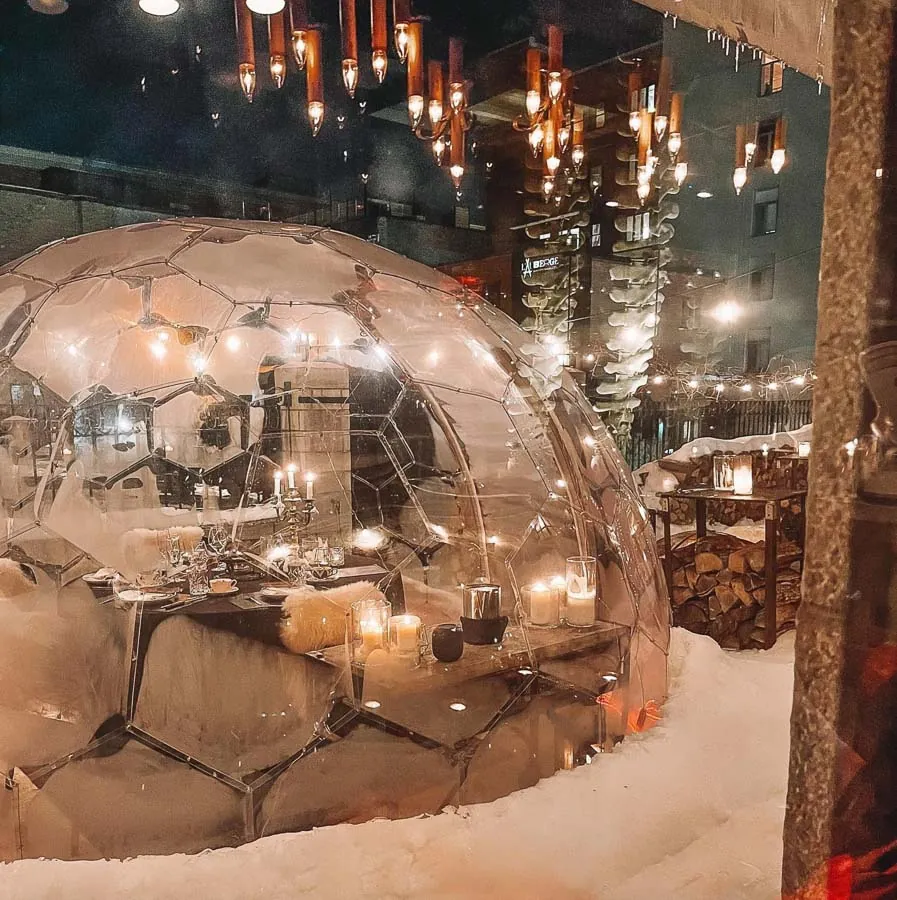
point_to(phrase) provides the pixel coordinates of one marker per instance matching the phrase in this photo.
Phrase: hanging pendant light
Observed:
(438, 150)
(457, 95)
(458, 149)
(675, 143)
(246, 47)
(153, 7)
(740, 176)
(555, 62)
(779, 155)
(314, 80)
(401, 19)
(415, 54)
(681, 173)
(379, 58)
(578, 153)
(662, 104)
(349, 33)
(277, 49)
(266, 7)
(436, 84)
(533, 82)
(299, 30)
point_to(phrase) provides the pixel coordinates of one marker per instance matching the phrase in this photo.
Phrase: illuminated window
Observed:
(638, 227)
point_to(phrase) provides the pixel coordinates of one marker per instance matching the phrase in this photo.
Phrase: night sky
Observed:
(107, 81)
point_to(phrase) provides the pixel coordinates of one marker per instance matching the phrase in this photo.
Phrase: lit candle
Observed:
(743, 476)
(559, 590)
(371, 634)
(404, 634)
(291, 477)
(803, 449)
(540, 604)
(310, 485)
(581, 608)
(278, 479)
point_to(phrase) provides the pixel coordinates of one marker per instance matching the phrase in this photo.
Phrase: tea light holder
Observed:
(368, 627)
(582, 591)
(405, 638)
(743, 474)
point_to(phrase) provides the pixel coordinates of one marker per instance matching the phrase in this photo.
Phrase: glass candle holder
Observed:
(582, 591)
(743, 474)
(337, 557)
(405, 638)
(724, 471)
(368, 626)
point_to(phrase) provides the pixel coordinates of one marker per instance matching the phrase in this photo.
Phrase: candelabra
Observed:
(295, 508)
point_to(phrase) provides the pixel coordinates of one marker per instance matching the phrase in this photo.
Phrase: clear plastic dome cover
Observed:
(162, 385)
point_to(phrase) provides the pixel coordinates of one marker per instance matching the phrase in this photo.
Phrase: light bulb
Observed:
(438, 150)
(578, 155)
(247, 80)
(350, 75)
(434, 110)
(644, 191)
(553, 163)
(278, 65)
(727, 312)
(401, 40)
(299, 48)
(379, 63)
(750, 148)
(777, 162)
(536, 139)
(675, 143)
(456, 97)
(547, 186)
(533, 103)
(159, 7)
(739, 179)
(681, 173)
(563, 137)
(415, 109)
(554, 86)
(660, 126)
(652, 164)
(457, 173)
(635, 121)
(266, 7)
(316, 116)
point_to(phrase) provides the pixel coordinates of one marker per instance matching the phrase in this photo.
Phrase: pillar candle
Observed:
(540, 604)
(405, 634)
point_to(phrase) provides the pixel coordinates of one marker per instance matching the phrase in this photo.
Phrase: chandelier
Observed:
(550, 122)
(651, 121)
(448, 118)
(746, 146)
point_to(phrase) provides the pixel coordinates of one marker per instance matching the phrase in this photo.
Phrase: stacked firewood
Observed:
(719, 588)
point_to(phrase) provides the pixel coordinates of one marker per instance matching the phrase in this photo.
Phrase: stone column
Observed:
(842, 793)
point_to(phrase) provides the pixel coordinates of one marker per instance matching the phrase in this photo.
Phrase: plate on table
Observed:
(135, 596)
(273, 592)
(95, 579)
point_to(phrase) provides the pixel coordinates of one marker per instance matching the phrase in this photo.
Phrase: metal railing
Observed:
(661, 428)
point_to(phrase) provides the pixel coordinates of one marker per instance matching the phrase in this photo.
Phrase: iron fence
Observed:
(661, 428)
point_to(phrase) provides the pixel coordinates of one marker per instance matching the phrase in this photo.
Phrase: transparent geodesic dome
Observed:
(155, 381)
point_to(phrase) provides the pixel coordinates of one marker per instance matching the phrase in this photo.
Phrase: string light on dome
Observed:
(158, 348)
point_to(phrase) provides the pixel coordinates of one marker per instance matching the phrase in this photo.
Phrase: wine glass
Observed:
(217, 538)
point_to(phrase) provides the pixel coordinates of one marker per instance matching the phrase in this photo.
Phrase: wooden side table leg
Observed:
(667, 548)
(771, 572)
(701, 518)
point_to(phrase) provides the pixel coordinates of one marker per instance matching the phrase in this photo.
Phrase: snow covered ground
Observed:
(692, 810)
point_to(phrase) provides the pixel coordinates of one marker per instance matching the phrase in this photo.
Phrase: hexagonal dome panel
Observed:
(217, 437)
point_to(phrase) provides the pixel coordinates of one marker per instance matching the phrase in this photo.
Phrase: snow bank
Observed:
(692, 810)
(656, 480)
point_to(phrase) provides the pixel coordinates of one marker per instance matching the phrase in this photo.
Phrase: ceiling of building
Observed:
(799, 32)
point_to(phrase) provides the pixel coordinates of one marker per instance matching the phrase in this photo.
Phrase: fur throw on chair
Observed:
(15, 579)
(314, 619)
